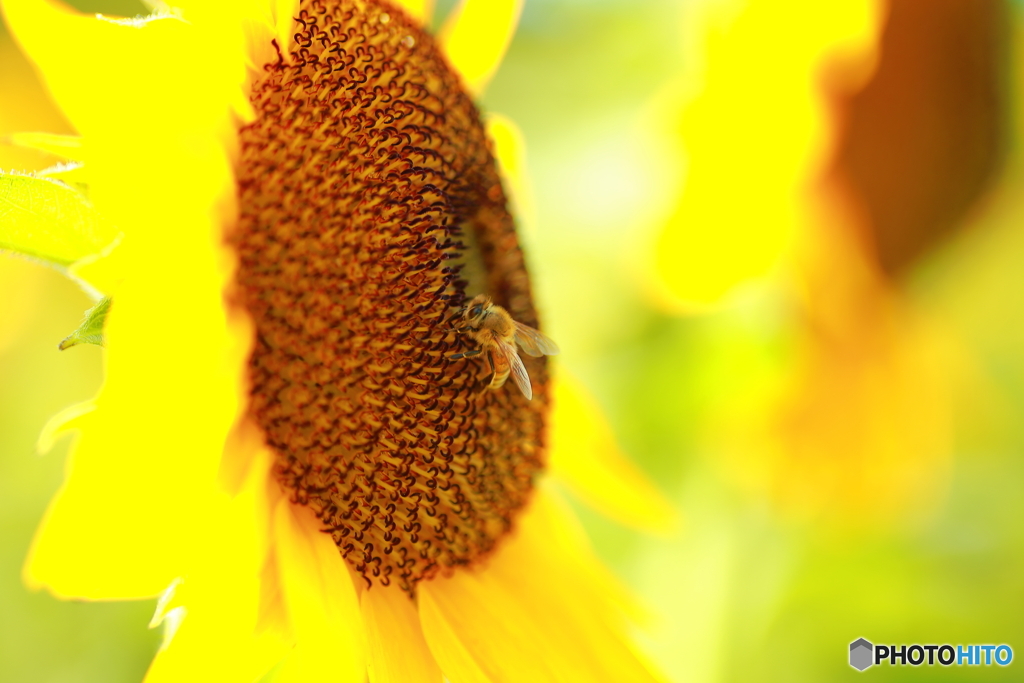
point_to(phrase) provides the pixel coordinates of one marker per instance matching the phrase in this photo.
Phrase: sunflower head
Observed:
(370, 208)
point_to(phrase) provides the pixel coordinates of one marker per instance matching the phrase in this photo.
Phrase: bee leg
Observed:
(455, 316)
(482, 385)
(467, 354)
(472, 354)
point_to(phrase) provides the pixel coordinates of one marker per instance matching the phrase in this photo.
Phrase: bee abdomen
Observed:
(499, 377)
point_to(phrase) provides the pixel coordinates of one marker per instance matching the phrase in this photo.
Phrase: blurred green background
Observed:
(889, 509)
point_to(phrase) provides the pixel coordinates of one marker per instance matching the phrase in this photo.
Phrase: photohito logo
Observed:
(864, 654)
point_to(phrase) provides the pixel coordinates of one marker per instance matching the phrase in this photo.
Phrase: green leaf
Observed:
(48, 220)
(91, 329)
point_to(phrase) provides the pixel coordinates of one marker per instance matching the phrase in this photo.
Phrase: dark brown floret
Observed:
(370, 208)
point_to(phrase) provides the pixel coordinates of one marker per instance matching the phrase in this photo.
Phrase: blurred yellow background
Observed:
(779, 242)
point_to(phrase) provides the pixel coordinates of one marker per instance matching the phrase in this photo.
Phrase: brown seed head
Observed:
(370, 208)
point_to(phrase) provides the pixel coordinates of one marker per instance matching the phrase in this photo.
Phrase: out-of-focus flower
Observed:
(866, 421)
(871, 135)
(747, 118)
(923, 139)
(303, 205)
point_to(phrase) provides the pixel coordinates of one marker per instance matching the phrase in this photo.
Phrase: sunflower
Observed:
(850, 399)
(282, 449)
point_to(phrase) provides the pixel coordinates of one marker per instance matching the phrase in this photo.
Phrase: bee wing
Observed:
(522, 378)
(534, 342)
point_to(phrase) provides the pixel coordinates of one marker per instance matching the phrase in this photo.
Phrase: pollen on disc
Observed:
(369, 200)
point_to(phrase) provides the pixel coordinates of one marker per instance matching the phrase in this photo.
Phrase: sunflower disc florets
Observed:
(369, 205)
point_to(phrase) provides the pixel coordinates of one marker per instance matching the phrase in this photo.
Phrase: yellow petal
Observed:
(285, 12)
(320, 599)
(584, 456)
(88, 547)
(83, 60)
(536, 612)
(204, 649)
(476, 36)
(184, 76)
(245, 445)
(510, 153)
(753, 131)
(221, 636)
(34, 110)
(418, 9)
(102, 272)
(67, 147)
(479, 635)
(143, 473)
(124, 521)
(62, 423)
(397, 652)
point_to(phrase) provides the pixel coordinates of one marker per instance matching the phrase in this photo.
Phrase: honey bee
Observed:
(491, 326)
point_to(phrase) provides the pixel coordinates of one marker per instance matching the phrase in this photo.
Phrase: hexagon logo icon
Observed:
(861, 654)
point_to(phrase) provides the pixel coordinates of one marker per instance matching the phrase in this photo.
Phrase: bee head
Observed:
(477, 308)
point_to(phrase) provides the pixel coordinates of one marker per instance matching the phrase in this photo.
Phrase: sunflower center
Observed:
(366, 188)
